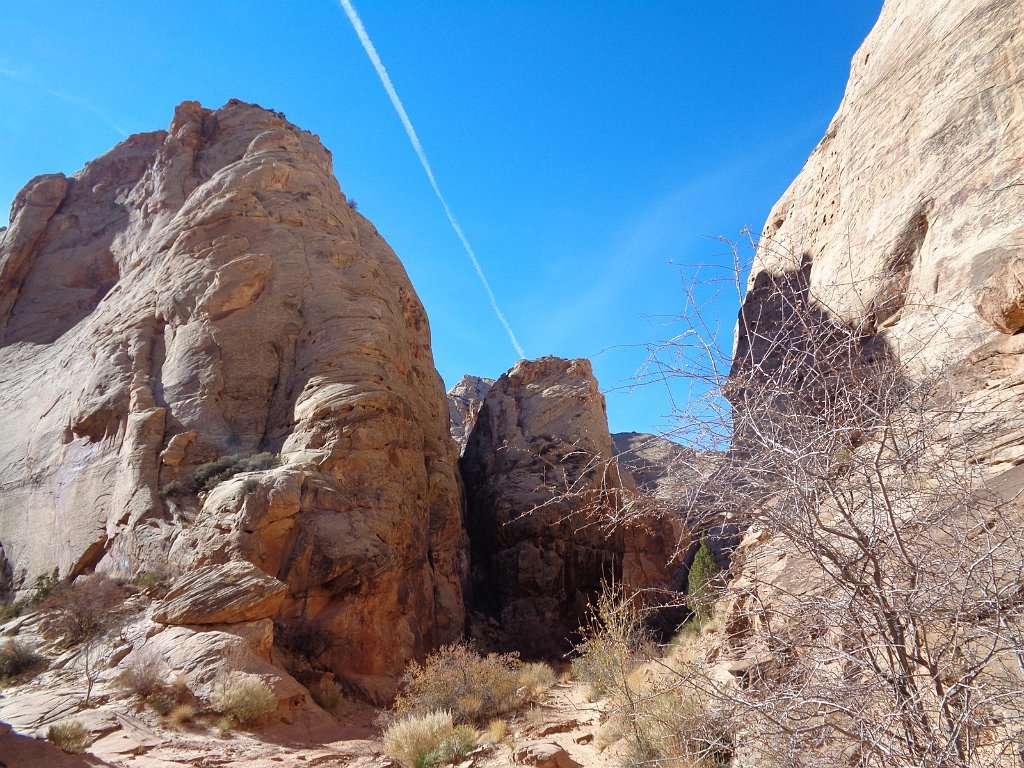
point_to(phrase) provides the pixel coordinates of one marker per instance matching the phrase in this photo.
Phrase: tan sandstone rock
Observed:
(207, 292)
(231, 593)
(908, 218)
(464, 402)
(541, 486)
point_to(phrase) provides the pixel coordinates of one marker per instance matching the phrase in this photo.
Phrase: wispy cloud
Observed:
(26, 79)
(385, 80)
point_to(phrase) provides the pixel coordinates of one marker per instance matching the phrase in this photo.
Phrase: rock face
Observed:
(656, 464)
(907, 218)
(905, 232)
(206, 292)
(540, 487)
(464, 402)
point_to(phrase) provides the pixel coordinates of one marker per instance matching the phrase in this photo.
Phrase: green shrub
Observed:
(428, 740)
(68, 736)
(174, 489)
(17, 660)
(213, 472)
(44, 587)
(457, 679)
(12, 609)
(244, 699)
(704, 582)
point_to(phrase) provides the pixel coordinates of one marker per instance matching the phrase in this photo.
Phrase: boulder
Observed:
(221, 594)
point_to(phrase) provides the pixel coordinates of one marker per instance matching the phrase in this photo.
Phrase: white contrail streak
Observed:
(77, 101)
(385, 80)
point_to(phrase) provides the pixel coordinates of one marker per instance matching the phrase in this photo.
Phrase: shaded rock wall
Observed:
(541, 488)
(206, 291)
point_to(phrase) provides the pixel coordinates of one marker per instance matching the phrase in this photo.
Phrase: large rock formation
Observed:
(541, 490)
(907, 221)
(206, 292)
(889, 269)
(465, 400)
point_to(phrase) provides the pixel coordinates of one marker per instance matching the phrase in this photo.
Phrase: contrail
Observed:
(77, 101)
(385, 80)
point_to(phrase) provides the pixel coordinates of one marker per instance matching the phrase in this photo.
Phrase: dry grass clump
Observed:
(18, 661)
(495, 732)
(428, 740)
(244, 699)
(458, 680)
(327, 693)
(537, 677)
(68, 736)
(183, 714)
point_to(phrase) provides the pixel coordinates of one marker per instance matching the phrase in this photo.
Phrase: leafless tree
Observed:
(892, 636)
(876, 607)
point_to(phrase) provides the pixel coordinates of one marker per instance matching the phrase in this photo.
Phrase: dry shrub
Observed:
(428, 740)
(17, 660)
(327, 693)
(144, 676)
(161, 702)
(244, 699)
(183, 714)
(457, 679)
(537, 677)
(614, 644)
(81, 612)
(668, 726)
(303, 638)
(68, 736)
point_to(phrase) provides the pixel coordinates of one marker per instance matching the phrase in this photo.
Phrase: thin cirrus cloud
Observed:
(417, 146)
(76, 101)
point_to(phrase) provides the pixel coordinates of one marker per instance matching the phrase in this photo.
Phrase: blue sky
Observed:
(590, 151)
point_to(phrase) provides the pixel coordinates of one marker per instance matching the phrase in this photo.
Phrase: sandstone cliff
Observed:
(191, 299)
(880, 324)
(541, 490)
(464, 402)
(906, 221)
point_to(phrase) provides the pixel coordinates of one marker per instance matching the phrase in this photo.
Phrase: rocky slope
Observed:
(206, 294)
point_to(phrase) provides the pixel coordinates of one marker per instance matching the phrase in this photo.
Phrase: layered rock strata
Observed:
(198, 296)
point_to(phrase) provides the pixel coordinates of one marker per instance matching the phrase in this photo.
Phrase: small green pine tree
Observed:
(703, 582)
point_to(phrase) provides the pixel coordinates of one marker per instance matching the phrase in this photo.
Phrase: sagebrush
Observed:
(473, 687)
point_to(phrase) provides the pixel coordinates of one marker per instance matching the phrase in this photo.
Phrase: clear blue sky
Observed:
(590, 150)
